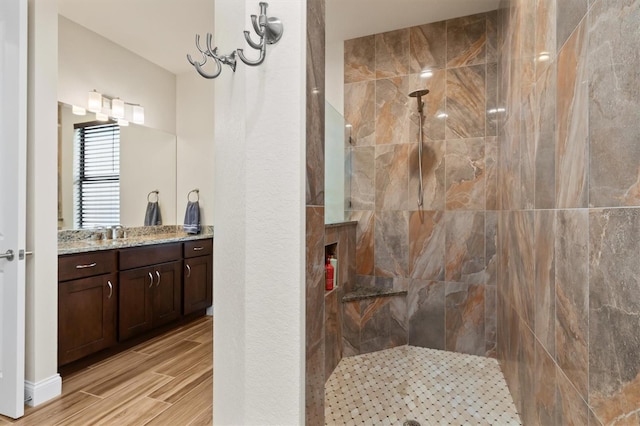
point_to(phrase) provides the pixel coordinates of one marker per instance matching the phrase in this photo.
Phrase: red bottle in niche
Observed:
(328, 275)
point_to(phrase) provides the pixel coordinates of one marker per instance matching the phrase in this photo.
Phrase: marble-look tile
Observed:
(614, 99)
(569, 13)
(545, 139)
(466, 97)
(464, 318)
(392, 175)
(490, 318)
(365, 247)
(464, 247)
(466, 40)
(374, 318)
(360, 59)
(571, 409)
(491, 172)
(527, 55)
(526, 375)
(433, 178)
(425, 302)
(544, 387)
(428, 47)
(362, 186)
(572, 147)
(391, 243)
(426, 245)
(314, 274)
(493, 115)
(545, 35)
(434, 105)
(393, 111)
(521, 264)
(528, 152)
(398, 321)
(491, 246)
(614, 314)
(492, 36)
(392, 53)
(314, 384)
(545, 290)
(360, 111)
(593, 419)
(350, 328)
(333, 332)
(572, 296)
(465, 174)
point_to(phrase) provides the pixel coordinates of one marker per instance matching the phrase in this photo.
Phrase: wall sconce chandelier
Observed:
(268, 29)
(105, 107)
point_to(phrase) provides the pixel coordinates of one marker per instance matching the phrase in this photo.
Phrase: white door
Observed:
(13, 141)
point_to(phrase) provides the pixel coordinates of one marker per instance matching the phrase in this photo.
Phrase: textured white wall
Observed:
(88, 61)
(42, 267)
(195, 128)
(259, 223)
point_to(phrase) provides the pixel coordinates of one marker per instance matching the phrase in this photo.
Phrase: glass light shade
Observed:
(78, 110)
(94, 102)
(138, 114)
(122, 122)
(117, 108)
(101, 117)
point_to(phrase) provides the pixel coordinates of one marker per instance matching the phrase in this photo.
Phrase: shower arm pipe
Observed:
(269, 30)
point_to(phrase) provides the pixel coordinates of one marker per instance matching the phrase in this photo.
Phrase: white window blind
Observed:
(97, 174)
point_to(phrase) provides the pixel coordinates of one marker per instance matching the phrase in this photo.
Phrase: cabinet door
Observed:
(198, 283)
(86, 316)
(135, 303)
(167, 292)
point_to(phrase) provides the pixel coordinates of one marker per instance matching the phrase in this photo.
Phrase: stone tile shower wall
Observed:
(443, 254)
(569, 222)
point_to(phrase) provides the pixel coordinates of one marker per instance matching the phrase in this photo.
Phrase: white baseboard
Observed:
(43, 391)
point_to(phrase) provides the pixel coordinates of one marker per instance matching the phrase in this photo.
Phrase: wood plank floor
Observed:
(167, 380)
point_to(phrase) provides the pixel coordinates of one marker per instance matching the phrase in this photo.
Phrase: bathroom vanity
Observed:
(110, 291)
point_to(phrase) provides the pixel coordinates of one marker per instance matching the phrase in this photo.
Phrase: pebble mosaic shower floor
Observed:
(430, 386)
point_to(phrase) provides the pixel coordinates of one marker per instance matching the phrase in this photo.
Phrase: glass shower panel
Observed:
(337, 172)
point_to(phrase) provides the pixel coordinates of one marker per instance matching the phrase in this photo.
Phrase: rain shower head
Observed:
(418, 94)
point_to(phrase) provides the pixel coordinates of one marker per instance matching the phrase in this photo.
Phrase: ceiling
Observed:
(163, 31)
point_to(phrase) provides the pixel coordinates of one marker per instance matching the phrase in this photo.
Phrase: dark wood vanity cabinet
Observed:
(87, 304)
(150, 288)
(198, 275)
(106, 297)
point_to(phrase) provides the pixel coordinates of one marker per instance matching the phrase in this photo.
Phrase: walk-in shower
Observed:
(418, 94)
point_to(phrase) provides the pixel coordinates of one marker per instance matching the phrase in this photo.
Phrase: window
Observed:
(97, 174)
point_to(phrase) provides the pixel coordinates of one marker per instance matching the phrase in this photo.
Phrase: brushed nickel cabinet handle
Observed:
(158, 275)
(198, 248)
(110, 289)
(188, 270)
(90, 265)
(150, 280)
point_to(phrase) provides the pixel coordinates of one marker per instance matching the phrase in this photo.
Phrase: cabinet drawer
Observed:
(137, 257)
(83, 265)
(198, 248)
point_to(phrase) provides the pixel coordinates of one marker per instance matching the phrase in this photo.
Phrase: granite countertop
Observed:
(81, 241)
(371, 292)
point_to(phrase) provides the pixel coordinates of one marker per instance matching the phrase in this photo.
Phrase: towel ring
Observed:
(156, 192)
(197, 191)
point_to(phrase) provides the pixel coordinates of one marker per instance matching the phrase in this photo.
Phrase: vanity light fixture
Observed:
(78, 110)
(100, 116)
(117, 108)
(106, 106)
(94, 103)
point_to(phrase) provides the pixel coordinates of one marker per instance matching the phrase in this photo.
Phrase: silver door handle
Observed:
(188, 271)
(158, 275)
(198, 248)
(110, 289)
(7, 255)
(150, 279)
